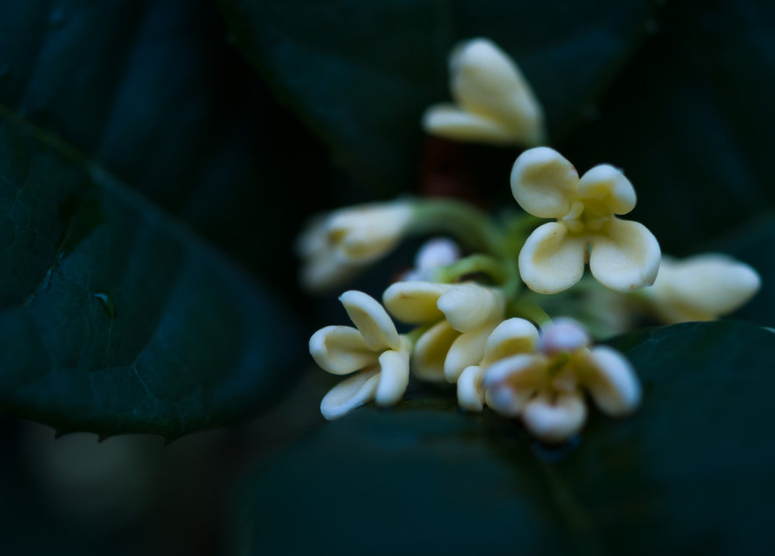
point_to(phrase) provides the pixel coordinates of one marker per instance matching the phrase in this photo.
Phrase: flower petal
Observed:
(544, 183)
(710, 284)
(555, 418)
(608, 185)
(564, 335)
(552, 259)
(327, 270)
(371, 319)
(486, 82)
(340, 350)
(510, 337)
(625, 256)
(510, 382)
(414, 302)
(393, 377)
(466, 350)
(611, 381)
(450, 122)
(352, 392)
(431, 350)
(367, 232)
(470, 306)
(470, 392)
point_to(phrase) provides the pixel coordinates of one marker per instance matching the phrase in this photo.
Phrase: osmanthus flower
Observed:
(545, 388)
(458, 317)
(700, 288)
(373, 350)
(623, 255)
(337, 245)
(494, 103)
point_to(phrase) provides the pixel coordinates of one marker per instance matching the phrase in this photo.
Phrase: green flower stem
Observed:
(469, 225)
(530, 311)
(471, 265)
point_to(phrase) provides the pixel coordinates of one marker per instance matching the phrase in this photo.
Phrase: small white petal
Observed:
(486, 82)
(510, 382)
(611, 381)
(552, 259)
(431, 350)
(564, 335)
(393, 377)
(470, 306)
(450, 122)
(555, 418)
(414, 302)
(608, 185)
(352, 392)
(436, 252)
(470, 392)
(371, 319)
(625, 257)
(511, 337)
(367, 232)
(544, 183)
(466, 350)
(340, 350)
(708, 285)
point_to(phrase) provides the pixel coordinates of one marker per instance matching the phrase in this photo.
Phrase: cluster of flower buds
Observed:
(476, 322)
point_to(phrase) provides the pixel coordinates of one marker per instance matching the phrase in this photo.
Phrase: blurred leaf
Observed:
(118, 123)
(690, 473)
(362, 73)
(690, 121)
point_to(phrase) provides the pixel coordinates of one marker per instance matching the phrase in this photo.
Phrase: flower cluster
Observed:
(477, 307)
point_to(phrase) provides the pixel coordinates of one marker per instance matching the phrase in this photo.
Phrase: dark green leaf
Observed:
(118, 121)
(690, 473)
(690, 121)
(361, 73)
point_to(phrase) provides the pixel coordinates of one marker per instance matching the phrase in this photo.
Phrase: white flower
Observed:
(700, 288)
(509, 338)
(374, 349)
(545, 389)
(336, 246)
(624, 255)
(495, 104)
(433, 254)
(460, 317)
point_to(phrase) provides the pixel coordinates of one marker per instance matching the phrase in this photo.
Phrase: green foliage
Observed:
(118, 149)
(690, 472)
(361, 73)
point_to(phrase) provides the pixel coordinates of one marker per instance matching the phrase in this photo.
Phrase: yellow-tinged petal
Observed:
(352, 392)
(609, 186)
(611, 381)
(448, 121)
(544, 183)
(470, 391)
(394, 376)
(487, 82)
(371, 319)
(340, 350)
(466, 350)
(367, 232)
(414, 302)
(470, 306)
(511, 337)
(555, 418)
(705, 286)
(552, 259)
(510, 382)
(430, 351)
(625, 256)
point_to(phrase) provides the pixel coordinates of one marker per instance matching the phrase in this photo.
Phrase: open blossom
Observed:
(459, 318)
(545, 388)
(494, 102)
(373, 348)
(701, 288)
(336, 246)
(624, 255)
